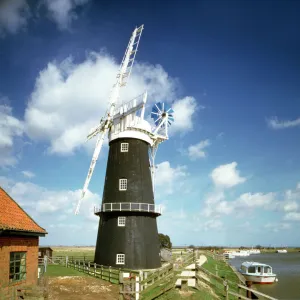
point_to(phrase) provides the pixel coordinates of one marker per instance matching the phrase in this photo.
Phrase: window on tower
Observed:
(124, 147)
(121, 221)
(122, 184)
(120, 259)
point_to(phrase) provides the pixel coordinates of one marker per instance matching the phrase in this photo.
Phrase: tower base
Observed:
(137, 240)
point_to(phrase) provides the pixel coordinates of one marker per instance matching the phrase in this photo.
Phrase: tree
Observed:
(164, 241)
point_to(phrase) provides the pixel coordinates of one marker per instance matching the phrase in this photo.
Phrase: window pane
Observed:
(17, 266)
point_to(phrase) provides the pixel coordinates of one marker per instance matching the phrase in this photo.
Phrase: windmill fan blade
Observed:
(97, 150)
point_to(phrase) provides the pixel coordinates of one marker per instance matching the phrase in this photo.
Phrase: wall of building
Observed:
(14, 244)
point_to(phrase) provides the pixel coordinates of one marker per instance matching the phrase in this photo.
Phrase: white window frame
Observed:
(124, 147)
(121, 221)
(123, 184)
(120, 259)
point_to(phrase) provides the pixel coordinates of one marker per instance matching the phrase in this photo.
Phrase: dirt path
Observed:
(77, 288)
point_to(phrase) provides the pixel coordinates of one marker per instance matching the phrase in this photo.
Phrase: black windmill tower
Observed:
(127, 234)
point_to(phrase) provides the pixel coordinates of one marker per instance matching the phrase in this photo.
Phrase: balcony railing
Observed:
(125, 206)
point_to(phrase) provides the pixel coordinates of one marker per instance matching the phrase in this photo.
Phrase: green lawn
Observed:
(224, 271)
(56, 270)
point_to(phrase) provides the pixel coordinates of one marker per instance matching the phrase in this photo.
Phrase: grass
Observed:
(56, 270)
(224, 271)
(172, 294)
(74, 251)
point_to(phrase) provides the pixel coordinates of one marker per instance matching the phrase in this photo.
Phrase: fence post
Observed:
(216, 270)
(137, 287)
(66, 261)
(121, 286)
(101, 272)
(226, 287)
(89, 265)
(95, 269)
(109, 274)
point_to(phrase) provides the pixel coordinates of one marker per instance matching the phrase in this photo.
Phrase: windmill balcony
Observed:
(129, 207)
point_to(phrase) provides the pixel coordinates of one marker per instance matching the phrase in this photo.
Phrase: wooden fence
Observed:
(145, 285)
(229, 287)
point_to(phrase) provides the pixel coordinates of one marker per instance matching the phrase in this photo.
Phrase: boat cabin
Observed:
(255, 268)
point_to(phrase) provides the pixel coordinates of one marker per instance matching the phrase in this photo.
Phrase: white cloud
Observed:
(168, 178)
(217, 205)
(10, 128)
(276, 227)
(197, 151)
(62, 12)
(215, 224)
(28, 174)
(184, 111)
(249, 200)
(292, 216)
(69, 99)
(274, 123)
(40, 201)
(13, 16)
(290, 206)
(226, 176)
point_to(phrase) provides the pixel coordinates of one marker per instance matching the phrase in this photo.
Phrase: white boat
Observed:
(281, 251)
(241, 253)
(254, 251)
(257, 272)
(228, 255)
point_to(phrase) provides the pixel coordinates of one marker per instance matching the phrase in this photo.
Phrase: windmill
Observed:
(127, 233)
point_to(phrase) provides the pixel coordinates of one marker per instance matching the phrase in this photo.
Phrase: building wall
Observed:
(14, 244)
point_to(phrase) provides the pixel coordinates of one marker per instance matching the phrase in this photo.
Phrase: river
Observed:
(287, 268)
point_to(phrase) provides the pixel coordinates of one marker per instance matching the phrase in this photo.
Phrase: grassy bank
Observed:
(221, 269)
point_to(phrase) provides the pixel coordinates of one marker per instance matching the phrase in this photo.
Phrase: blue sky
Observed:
(229, 173)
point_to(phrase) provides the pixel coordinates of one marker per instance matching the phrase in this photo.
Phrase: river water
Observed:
(287, 268)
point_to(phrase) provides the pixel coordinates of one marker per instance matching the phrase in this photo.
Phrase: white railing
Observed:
(129, 206)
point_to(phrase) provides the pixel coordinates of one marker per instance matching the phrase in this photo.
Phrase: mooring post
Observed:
(249, 285)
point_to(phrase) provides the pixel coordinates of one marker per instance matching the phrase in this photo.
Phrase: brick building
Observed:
(19, 244)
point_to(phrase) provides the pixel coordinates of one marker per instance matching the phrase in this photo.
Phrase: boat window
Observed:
(267, 270)
(258, 269)
(251, 270)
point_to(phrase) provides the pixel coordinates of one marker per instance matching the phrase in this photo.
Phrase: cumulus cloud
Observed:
(10, 128)
(274, 123)
(275, 227)
(226, 176)
(249, 200)
(13, 16)
(28, 174)
(168, 178)
(40, 201)
(292, 216)
(63, 12)
(69, 98)
(184, 111)
(197, 151)
(215, 224)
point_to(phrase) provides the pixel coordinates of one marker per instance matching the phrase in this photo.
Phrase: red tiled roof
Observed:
(13, 217)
